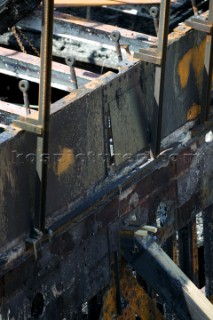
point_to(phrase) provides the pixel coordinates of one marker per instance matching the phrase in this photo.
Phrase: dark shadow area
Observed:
(10, 92)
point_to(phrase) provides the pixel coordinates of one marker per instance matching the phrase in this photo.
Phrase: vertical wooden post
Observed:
(208, 250)
(171, 248)
(188, 252)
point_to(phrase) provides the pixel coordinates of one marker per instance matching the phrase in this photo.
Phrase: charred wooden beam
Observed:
(163, 275)
(21, 65)
(11, 11)
(75, 263)
(82, 3)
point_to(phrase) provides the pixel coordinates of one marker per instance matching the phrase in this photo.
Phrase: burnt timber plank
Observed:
(80, 3)
(184, 66)
(25, 66)
(163, 275)
(188, 252)
(208, 249)
(77, 153)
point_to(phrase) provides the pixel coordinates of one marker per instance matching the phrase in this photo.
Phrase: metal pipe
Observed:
(44, 112)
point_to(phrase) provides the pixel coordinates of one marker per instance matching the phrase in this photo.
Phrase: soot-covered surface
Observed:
(11, 11)
(138, 18)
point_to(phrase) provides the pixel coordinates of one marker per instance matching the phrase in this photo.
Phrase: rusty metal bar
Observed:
(70, 61)
(44, 113)
(115, 36)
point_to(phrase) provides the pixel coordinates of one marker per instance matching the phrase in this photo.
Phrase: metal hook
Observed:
(70, 61)
(24, 87)
(115, 36)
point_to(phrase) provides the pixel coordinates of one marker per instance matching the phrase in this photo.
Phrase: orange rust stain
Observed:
(193, 112)
(65, 161)
(138, 301)
(193, 58)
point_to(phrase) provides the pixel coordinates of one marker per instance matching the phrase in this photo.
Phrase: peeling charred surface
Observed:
(75, 263)
(101, 179)
(11, 11)
(140, 21)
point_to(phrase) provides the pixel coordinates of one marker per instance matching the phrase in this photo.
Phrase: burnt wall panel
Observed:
(16, 187)
(62, 277)
(183, 80)
(76, 149)
(124, 97)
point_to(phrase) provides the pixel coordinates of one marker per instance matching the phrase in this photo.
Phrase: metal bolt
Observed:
(24, 87)
(194, 7)
(115, 36)
(70, 61)
(154, 13)
(89, 13)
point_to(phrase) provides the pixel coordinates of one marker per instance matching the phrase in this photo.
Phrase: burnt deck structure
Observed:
(106, 169)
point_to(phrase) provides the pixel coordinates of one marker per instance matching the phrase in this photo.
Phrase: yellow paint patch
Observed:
(193, 58)
(193, 112)
(65, 161)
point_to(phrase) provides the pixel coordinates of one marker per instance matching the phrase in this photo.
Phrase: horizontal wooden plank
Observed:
(70, 27)
(12, 108)
(21, 65)
(90, 3)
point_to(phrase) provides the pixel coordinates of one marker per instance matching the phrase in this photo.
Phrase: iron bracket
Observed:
(158, 57)
(30, 127)
(200, 25)
(40, 125)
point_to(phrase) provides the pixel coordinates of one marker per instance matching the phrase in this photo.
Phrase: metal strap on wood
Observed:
(40, 125)
(158, 57)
